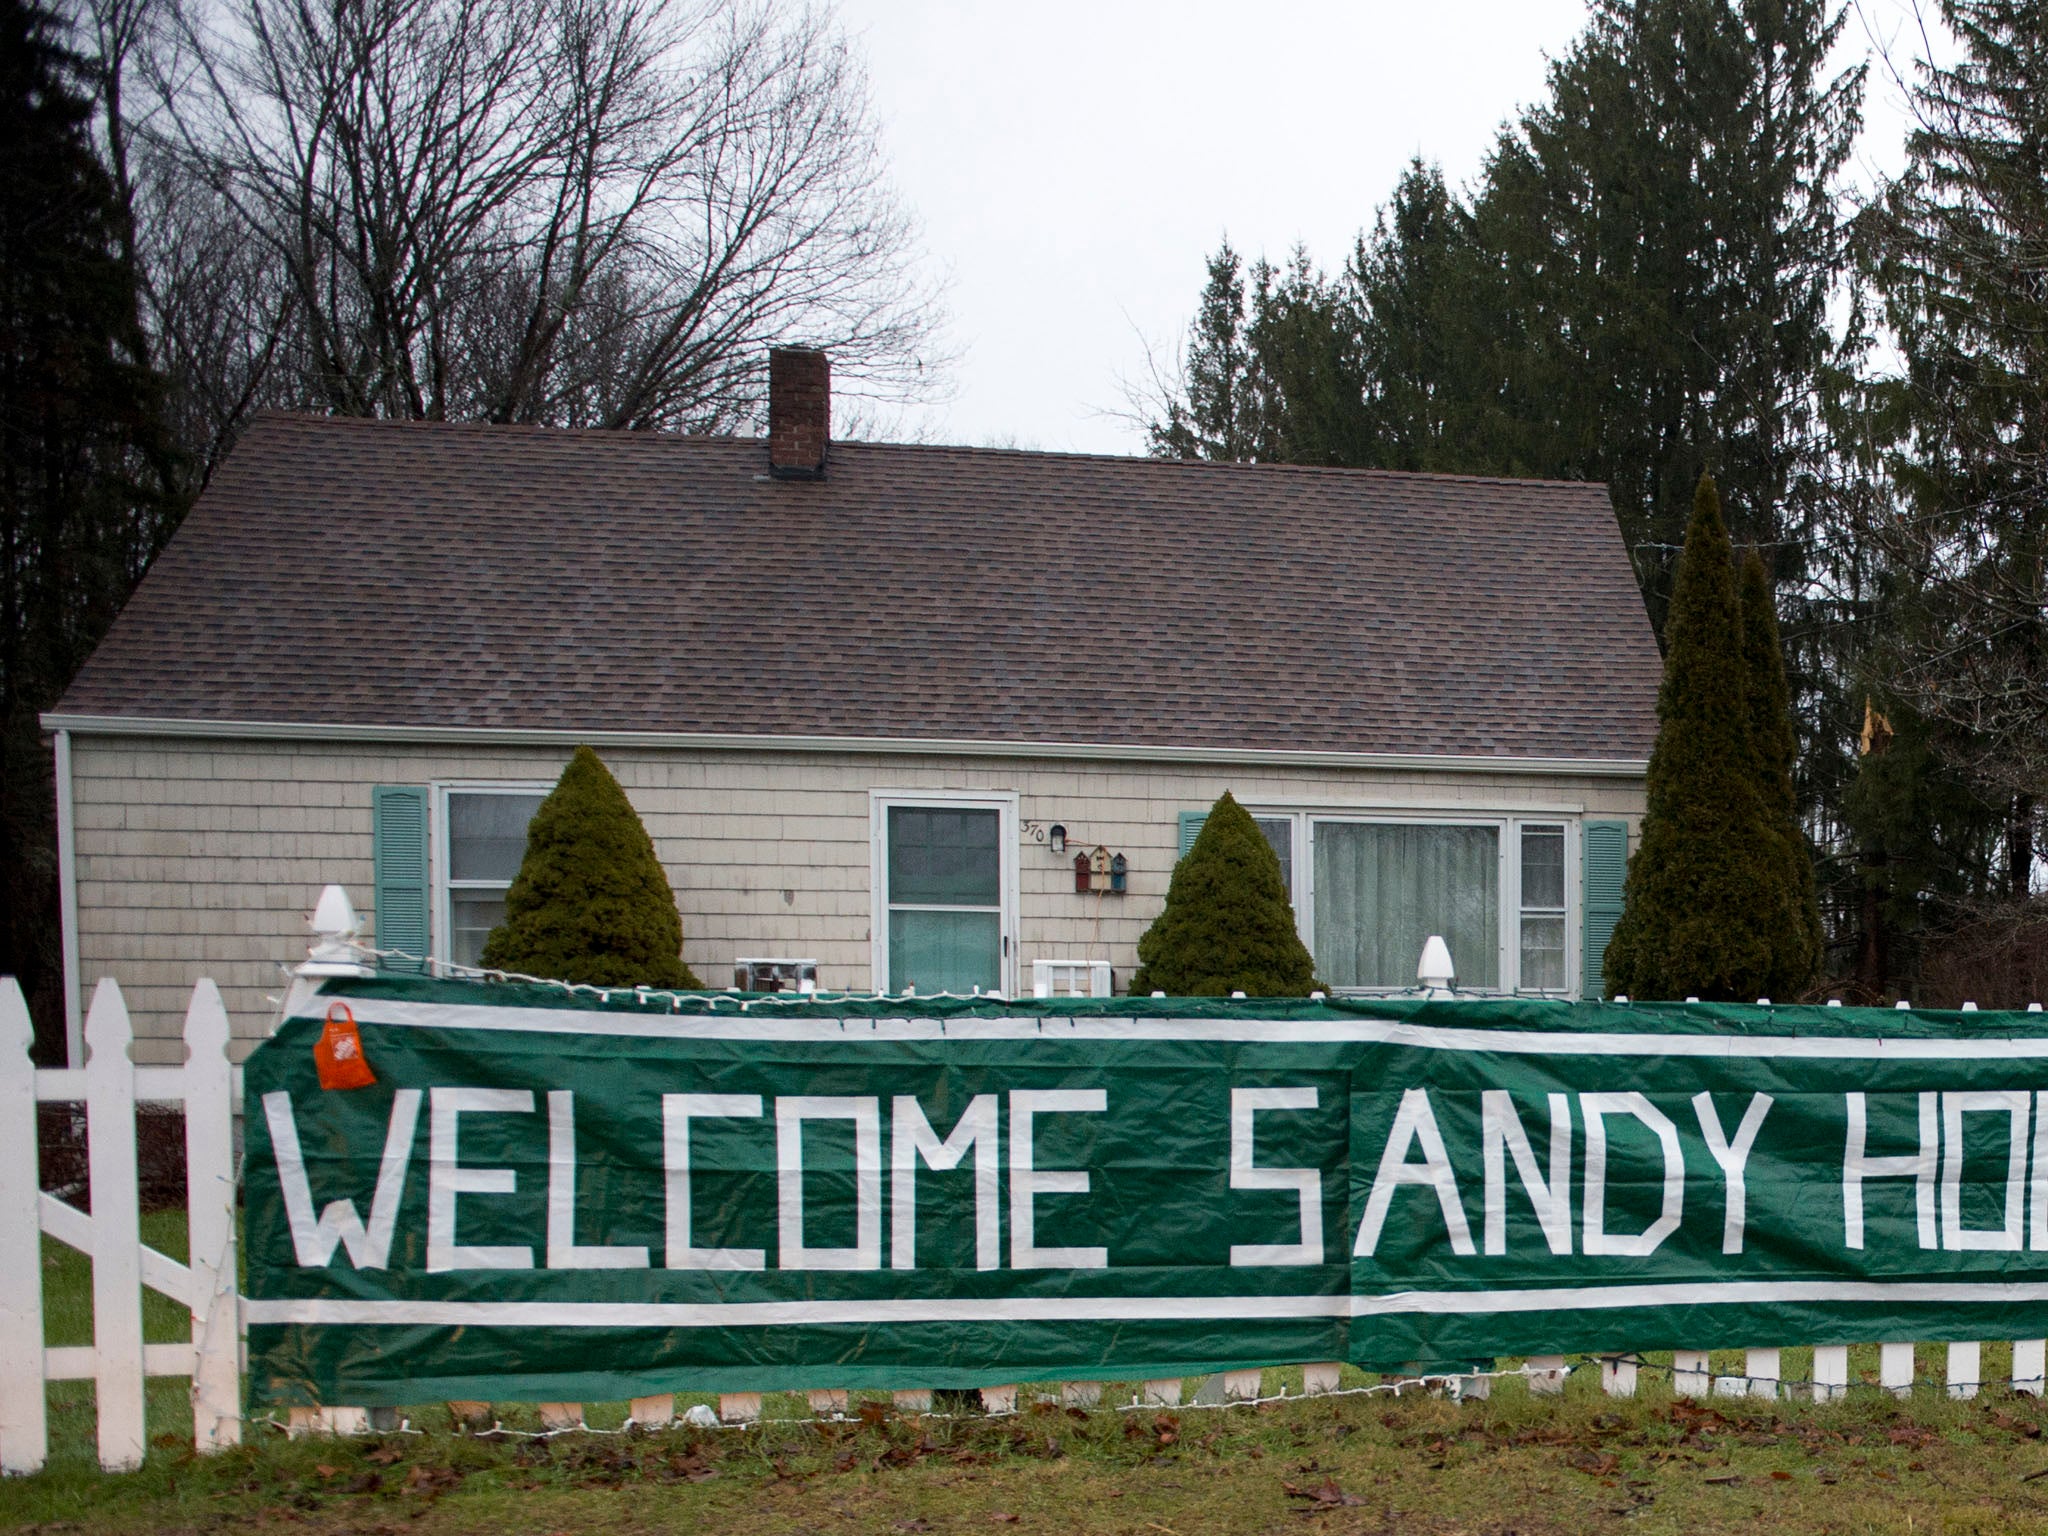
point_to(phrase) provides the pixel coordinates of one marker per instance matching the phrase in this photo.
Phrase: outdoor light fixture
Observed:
(1056, 839)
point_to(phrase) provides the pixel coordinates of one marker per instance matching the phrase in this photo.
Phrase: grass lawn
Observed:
(1364, 1464)
(1530, 1466)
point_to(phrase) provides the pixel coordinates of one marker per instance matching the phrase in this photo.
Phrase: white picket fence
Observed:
(118, 1362)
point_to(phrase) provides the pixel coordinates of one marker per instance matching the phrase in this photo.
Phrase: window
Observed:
(1370, 888)
(1543, 908)
(482, 841)
(1279, 831)
(945, 879)
(1382, 888)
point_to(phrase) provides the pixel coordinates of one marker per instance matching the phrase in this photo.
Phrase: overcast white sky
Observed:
(1074, 161)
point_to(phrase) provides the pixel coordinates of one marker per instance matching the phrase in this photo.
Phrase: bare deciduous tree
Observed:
(582, 212)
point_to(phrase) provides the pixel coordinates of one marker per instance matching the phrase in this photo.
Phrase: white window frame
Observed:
(1508, 822)
(1516, 827)
(438, 857)
(880, 803)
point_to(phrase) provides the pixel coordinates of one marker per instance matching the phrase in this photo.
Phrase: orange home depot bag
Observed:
(338, 1053)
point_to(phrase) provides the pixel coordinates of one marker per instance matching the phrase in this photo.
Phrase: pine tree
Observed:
(1925, 846)
(590, 903)
(1798, 946)
(1963, 269)
(83, 461)
(1227, 925)
(1430, 343)
(1666, 230)
(1306, 383)
(1212, 418)
(1705, 891)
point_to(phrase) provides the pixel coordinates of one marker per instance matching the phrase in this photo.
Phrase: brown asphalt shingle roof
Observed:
(359, 572)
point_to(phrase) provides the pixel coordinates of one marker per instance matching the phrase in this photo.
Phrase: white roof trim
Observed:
(499, 736)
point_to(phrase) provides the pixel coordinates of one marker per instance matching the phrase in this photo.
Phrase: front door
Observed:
(944, 878)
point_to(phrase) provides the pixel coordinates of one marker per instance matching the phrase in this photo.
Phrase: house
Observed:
(871, 701)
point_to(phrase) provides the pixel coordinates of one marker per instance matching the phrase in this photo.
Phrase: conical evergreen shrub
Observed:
(590, 903)
(1227, 925)
(1798, 944)
(1704, 897)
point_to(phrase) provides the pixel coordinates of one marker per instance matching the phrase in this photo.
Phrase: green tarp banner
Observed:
(559, 1197)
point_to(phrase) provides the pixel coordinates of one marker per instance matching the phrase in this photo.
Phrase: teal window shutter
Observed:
(1190, 829)
(1606, 861)
(398, 843)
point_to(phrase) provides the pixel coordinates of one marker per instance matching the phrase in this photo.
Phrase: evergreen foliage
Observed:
(1637, 284)
(1798, 947)
(590, 903)
(1211, 417)
(1272, 373)
(1227, 925)
(1924, 843)
(83, 460)
(1960, 262)
(1705, 897)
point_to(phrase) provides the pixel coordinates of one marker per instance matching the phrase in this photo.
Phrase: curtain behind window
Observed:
(1382, 890)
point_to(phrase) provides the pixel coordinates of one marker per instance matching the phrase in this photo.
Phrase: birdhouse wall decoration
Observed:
(1098, 870)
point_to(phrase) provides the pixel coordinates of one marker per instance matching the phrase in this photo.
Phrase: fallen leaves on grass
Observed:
(1325, 1495)
(432, 1482)
(1164, 1429)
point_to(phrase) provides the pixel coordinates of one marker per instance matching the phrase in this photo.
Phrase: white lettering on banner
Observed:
(677, 1111)
(313, 1241)
(2037, 1236)
(1598, 1241)
(791, 1111)
(1733, 1158)
(1028, 1182)
(447, 1178)
(1307, 1183)
(1414, 1122)
(1858, 1165)
(1501, 1133)
(564, 1252)
(910, 1137)
(1983, 1101)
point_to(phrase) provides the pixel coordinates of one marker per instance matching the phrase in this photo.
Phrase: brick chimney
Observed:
(799, 412)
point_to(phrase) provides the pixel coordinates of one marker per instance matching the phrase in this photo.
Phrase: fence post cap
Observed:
(336, 927)
(17, 1030)
(1435, 971)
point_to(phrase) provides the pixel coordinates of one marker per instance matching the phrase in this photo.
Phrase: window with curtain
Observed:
(1382, 888)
